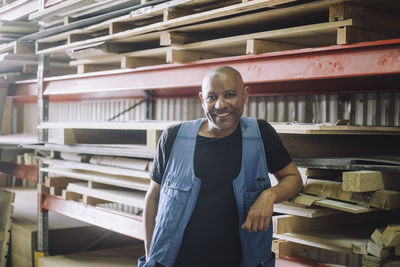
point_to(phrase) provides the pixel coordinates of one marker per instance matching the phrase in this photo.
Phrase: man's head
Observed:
(223, 97)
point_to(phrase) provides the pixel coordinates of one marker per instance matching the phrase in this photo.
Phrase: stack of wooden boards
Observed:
(367, 220)
(173, 31)
(101, 164)
(66, 235)
(6, 210)
(113, 182)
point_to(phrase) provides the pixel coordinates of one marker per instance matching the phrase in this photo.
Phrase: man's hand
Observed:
(289, 185)
(260, 212)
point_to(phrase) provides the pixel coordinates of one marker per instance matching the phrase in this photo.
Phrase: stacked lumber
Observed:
(112, 182)
(66, 235)
(367, 218)
(18, 59)
(383, 246)
(6, 210)
(178, 31)
(357, 192)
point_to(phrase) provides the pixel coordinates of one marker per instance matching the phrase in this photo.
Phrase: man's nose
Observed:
(220, 104)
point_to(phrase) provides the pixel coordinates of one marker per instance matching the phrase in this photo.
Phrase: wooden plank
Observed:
(128, 163)
(328, 240)
(98, 168)
(127, 197)
(307, 128)
(365, 181)
(87, 68)
(377, 236)
(134, 62)
(255, 46)
(329, 203)
(178, 38)
(351, 35)
(302, 210)
(99, 49)
(137, 151)
(178, 56)
(294, 237)
(139, 125)
(291, 224)
(59, 181)
(122, 181)
(339, 205)
(391, 235)
(283, 248)
(383, 253)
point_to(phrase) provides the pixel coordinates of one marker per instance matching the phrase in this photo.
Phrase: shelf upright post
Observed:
(43, 116)
(149, 104)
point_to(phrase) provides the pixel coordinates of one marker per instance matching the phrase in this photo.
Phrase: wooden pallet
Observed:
(289, 38)
(130, 26)
(358, 30)
(6, 210)
(17, 47)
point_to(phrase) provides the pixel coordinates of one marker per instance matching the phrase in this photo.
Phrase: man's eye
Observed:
(211, 98)
(230, 95)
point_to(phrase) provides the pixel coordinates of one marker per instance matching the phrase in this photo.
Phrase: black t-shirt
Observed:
(211, 237)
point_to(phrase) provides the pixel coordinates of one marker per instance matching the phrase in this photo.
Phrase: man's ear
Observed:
(246, 92)
(201, 97)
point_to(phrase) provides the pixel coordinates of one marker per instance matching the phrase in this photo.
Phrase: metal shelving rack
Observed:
(362, 67)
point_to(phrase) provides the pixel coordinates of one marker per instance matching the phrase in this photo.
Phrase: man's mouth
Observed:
(221, 115)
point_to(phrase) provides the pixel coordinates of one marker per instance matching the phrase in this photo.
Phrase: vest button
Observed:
(168, 183)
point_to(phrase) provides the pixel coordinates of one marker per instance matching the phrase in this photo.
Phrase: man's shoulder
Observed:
(263, 124)
(172, 130)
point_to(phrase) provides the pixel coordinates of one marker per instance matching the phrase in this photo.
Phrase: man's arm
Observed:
(290, 184)
(150, 212)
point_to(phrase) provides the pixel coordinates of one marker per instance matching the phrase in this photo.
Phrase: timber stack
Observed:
(104, 35)
(366, 223)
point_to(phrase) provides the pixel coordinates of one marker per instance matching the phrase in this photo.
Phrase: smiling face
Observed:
(223, 97)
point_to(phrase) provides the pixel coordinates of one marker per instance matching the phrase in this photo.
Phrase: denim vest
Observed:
(180, 188)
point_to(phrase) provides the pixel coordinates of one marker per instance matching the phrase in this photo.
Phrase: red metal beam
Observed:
(129, 225)
(340, 68)
(29, 172)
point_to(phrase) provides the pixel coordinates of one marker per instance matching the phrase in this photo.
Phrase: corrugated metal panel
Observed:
(361, 109)
(96, 111)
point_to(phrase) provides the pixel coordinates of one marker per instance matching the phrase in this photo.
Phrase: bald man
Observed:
(210, 199)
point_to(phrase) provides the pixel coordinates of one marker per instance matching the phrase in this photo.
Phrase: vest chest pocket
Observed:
(173, 198)
(253, 189)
